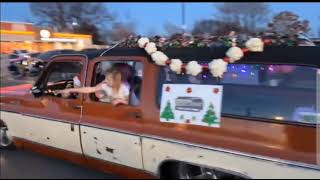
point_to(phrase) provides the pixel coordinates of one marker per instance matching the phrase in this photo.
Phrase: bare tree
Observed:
(247, 15)
(121, 30)
(215, 27)
(171, 28)
(87, 18)
(288, 23)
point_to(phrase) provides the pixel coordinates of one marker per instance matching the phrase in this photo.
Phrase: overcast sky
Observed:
(152, 16)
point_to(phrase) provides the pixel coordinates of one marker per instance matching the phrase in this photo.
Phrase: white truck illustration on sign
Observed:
(191, 104)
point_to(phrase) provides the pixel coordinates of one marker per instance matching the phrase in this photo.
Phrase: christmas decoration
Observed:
(217, 67)
(189, 90)
(235, 54)
(167, 113)
(193, 68)
(176, 65)
(210, 117)
(168, 88)
(189, 106)
(216, 90)
(255, 45)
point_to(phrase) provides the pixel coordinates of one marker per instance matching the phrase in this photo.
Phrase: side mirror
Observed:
(36, 91)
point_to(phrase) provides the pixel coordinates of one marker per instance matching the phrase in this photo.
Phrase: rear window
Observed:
(284, 93)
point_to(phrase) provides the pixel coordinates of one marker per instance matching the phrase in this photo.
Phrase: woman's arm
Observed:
(85, 90)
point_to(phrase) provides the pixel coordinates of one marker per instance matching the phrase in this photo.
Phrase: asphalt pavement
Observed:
(21, 164)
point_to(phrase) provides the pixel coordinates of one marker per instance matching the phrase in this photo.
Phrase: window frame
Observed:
(241, 117)
(41, 82)
(93, 64)
(46, 78)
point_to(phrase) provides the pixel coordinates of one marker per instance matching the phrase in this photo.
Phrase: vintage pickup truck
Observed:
(268, 126)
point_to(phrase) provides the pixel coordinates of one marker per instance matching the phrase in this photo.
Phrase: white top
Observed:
(123, 92)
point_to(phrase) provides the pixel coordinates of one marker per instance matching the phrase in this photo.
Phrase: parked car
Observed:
(16, 64)
(37, 61)
(22, 53)
(258, 135)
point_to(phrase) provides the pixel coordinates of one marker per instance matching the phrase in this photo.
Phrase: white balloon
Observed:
(176, 65)
(218, 67)
(235, 54)
(159, 58)
(255, 45)
(142, 41)
(193, 68)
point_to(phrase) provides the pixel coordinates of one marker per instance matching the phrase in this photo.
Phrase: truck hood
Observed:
(16, 90)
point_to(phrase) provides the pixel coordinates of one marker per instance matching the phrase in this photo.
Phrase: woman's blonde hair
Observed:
(117, 79)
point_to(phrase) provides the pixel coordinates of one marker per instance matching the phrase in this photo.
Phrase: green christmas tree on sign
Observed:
(167, 112)
(210, 117)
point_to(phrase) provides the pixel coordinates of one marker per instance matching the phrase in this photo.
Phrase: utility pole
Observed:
(183, 15)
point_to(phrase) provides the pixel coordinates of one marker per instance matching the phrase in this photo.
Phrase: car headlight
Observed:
(25, 63)
(26, 56)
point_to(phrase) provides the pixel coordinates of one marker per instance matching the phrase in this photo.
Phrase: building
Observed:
(17, 35)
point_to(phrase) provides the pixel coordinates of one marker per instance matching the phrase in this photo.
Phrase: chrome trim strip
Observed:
(49, 119)
(27, 140)
(109, 129)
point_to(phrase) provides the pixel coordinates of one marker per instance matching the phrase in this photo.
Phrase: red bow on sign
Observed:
(216, 90)
(168, 88)
(189, 90)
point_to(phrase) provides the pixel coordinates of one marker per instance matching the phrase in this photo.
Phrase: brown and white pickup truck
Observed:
(268, 125)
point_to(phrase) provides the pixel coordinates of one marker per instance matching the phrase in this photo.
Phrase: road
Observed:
(20, 164)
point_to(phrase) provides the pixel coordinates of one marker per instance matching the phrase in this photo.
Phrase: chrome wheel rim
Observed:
(5, 139)
(186, 171)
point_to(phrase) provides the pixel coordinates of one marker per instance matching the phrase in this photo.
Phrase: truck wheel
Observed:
(5, 139)
(187, 171)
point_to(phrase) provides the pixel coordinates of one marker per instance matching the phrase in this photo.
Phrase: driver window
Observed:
(63, 75)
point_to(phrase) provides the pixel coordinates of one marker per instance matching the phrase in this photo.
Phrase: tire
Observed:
(182, 170)
(6, 141)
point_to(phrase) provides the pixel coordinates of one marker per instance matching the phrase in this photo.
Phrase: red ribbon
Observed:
(183, 68)
(168, 62)
(145, 45)
(226, 59)
(245, 50)
(267, 41)
(205, 67)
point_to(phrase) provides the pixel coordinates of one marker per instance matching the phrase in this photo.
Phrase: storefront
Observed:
(18, 36)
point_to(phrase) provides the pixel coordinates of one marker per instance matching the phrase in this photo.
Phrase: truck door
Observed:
(111, 133)
(51, 120)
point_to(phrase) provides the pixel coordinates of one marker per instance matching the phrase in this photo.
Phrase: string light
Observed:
(270, 68)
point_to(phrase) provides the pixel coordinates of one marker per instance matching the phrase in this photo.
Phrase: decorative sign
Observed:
(191, 104)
